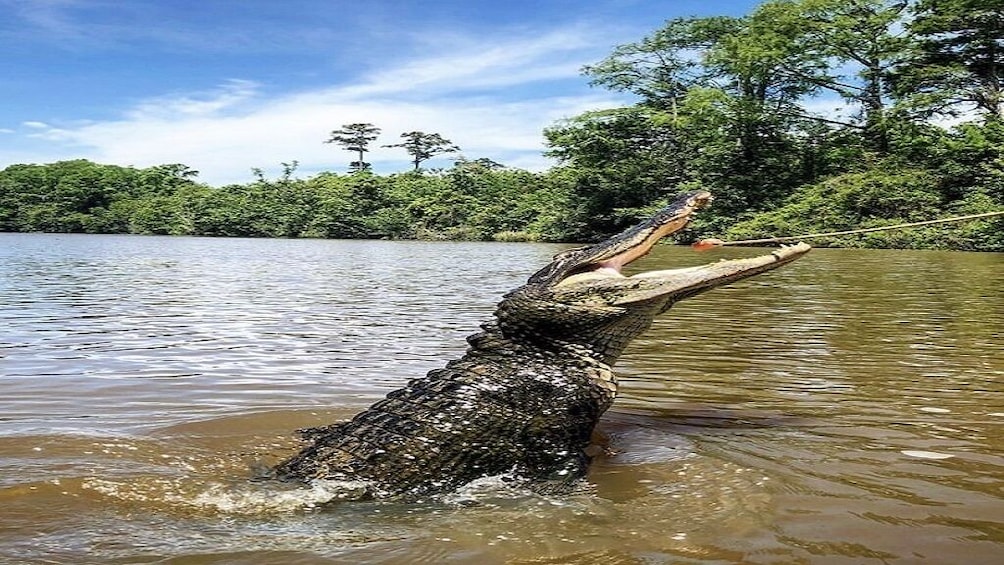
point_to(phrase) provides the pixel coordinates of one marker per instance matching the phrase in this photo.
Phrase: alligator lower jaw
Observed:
(779, 256)
(712, 274)
(680, 283)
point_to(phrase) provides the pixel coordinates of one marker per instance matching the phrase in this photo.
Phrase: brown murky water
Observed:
(848, 409)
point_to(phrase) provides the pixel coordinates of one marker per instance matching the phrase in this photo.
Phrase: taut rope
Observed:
(708, 243)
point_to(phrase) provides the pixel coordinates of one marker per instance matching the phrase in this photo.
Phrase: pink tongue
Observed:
(613, 264)
(608, 269)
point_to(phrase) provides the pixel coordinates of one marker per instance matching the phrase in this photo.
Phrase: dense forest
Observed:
(723, 104)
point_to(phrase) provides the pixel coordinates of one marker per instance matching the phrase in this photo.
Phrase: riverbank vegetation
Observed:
(730, 105)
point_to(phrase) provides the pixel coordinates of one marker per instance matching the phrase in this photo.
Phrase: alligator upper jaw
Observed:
(637, 241)
(625, 247)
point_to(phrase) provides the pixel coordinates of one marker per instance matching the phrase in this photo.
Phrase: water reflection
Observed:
(846, 409)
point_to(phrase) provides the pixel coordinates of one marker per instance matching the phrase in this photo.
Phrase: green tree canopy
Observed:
(957, 60)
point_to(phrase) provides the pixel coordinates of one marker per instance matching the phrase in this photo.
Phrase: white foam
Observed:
(270, 499)
(244, 498)
(925, 454)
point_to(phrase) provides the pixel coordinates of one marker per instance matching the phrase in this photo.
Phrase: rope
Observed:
(717, 242)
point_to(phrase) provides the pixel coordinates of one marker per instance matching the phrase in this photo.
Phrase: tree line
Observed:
(726, 104)
(470, 200)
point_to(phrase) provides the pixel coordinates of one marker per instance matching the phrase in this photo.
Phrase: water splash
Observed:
(246, 499)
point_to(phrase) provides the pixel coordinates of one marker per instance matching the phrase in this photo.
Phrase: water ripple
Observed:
(848, 408)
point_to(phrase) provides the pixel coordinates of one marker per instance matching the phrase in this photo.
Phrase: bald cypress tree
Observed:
(355, 137)
(424, 146)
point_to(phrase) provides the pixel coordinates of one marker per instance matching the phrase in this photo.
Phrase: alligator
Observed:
(523, 400)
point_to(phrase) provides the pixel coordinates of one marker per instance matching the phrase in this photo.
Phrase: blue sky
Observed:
(227, 85)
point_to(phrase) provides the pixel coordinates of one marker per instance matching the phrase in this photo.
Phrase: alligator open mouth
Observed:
(612, 254)
(605, 260)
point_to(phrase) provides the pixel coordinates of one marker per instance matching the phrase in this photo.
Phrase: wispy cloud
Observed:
(469, 64)
(483, 99)
(226, 97)
(44, 15)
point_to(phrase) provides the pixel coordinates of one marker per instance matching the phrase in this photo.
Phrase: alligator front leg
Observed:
(555, 472)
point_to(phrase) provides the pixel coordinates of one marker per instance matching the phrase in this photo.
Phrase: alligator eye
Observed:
(568, 252)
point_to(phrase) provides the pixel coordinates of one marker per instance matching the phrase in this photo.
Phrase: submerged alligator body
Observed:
(525, 397)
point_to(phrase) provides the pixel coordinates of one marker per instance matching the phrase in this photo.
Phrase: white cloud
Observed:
(492, 100)
(468, 65)
(230, 94)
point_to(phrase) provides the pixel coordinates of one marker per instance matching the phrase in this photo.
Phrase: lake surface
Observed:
(847, 409)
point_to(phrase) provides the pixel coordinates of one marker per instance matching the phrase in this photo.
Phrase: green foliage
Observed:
(477, 199)
(895, 194)
(662, 68)
(957, 59)
(79, 196)
(725, 105)
(846, 202)
(617, 160)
